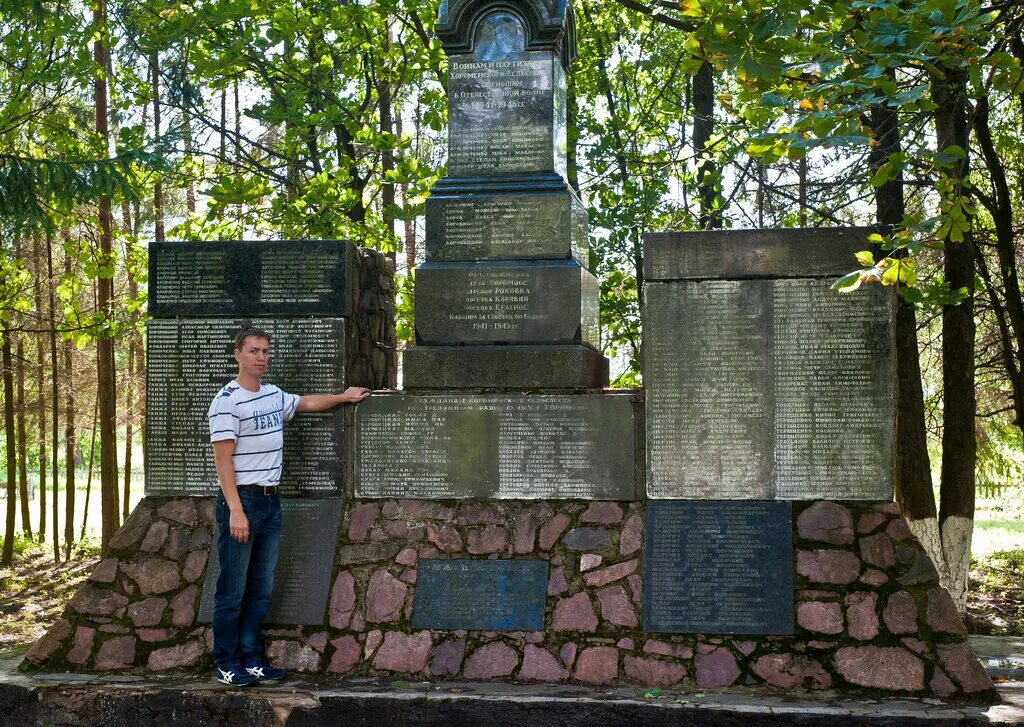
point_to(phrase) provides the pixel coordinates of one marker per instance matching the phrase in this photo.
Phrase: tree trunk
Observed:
(51, 285)
(105, 372)
(22, 434)
(703, 128)
(186, 130)
(40, 381)
(959, 447)
(7, 557)
(129, 410)
(69, 436)
(158, 187)
(92, 451)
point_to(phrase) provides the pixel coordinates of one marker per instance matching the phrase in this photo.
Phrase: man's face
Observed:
(254, 356)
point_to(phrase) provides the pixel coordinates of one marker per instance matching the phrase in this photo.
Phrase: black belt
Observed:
(267, 490)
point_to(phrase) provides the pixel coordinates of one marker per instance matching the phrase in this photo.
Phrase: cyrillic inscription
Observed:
(719, 567)
(491, 595)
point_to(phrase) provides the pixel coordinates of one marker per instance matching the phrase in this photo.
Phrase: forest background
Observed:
(126, 122)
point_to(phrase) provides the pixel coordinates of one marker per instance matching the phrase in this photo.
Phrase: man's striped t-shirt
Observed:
(255, 420)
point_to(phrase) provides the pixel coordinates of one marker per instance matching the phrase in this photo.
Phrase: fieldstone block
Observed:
(385, 597)
(587, 539)
(881, 667)
(962, 664)
(941, 685)
(900, 613)
(861, 616)
(84, 636)
(132, 530)
(208, 510)
(540, 665)
(345, 656)
(616, 608)
(921, 571)
(368, 553)
(183, 607)
(44, 648)
(597, 665)
(567, 654)
(115, 653)
(178, 544)
(602, 513)
(343, 600)
(403, 653)
(182, 510)
(556, 582)
(293, 655)
(479, 513)
(589, 561)
(105, 572)
(717, 668)
(97, 602)
(653, 672)
(153, 575)
(869, 522)
(942, 613)
(826, 522)
(828, 566)
(426, 510)
(788, 670)
(195, 564)
(820, 616)
(898, 529)
(653, 646)
(878, 550)
(176, 657)
(524, 532)
(488, 539)
(152, 635)
(496, 659)
(575, 613)
(611, 574)
(632, 535)
(147, 612)
(552, 530)
(447, 657)
(364, 514)
(201, 537)
(408, 557)
(445, 537)
(873, 577)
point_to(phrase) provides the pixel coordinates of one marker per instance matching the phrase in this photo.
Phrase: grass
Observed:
(996, 604)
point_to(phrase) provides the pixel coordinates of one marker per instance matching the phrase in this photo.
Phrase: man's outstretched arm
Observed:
(323, 402)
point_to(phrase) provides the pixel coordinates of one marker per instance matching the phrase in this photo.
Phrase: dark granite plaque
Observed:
(788, 253)
(719, 567)
(510, 367)
(191, 359)
(481, 595)
(495, 302)
(783, 390)
(506, 226)
(506, 105)
(502, 446)
(253, 278)
(309, 536)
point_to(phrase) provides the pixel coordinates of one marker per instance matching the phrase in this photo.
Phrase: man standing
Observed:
(247, 420)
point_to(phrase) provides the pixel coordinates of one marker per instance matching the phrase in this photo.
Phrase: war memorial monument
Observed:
(505, 515)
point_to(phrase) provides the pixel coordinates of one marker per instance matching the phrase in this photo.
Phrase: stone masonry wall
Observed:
(870, 615)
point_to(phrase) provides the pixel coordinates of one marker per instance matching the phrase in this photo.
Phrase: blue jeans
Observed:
(246, 576)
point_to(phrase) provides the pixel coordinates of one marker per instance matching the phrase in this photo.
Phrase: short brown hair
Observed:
(245, 331)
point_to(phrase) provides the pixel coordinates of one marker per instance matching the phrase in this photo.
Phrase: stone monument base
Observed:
(571, 367)
(870, 614)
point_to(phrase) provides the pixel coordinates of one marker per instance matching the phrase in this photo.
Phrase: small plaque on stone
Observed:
(309, 534)
(495, 302)
(506, 226)
(718, 567)
(480, 595)
(572, 366)
(190, 360)
(729, 254)
(501, 446)
(253, 278)
(783, 390)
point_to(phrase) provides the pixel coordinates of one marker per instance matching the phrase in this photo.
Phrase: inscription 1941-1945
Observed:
(490, 595)
(718, 567)
(191, 359)
(303, 575)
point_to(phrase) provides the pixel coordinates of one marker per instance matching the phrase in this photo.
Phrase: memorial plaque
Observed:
(781, 389)
(727, 254)
(252, 278)
(511, 367)
(500, 446)
(506, 226)
(495, 302)
(718, 567)
(480, 595)
(191, 359)
(506, 105)
(309, 534)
